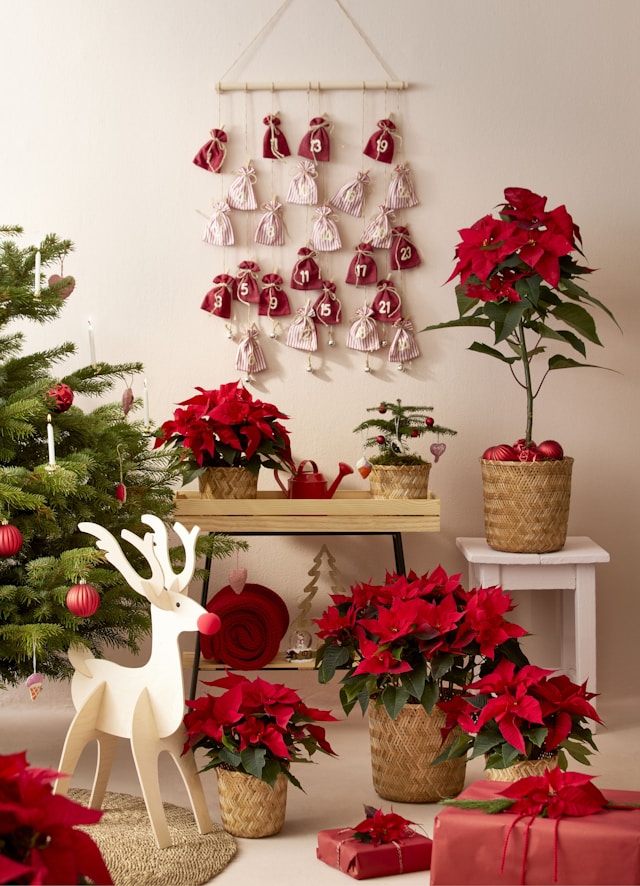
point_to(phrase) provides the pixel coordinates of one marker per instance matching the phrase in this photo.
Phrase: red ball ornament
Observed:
(121, 493)
(59, 398)
(429, 421)
(10, 540)
(82, 600)
(550, 449)
(380, 439)
(415, 433)
(503, 452)
(382, 409)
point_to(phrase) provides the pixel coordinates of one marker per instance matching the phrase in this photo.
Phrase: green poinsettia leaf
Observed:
(394, 699)
(510, 321)
(430, 695)
(441, 665)
(414, 680)
(558, 361)
(253, 760)
(462, 321)
(333, 657)
(271, 770)
(537, 735)
(579, 319)
(458, 748)
(577, 751)
(481, 348)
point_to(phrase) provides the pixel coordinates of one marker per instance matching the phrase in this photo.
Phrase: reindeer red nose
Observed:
(208, 623)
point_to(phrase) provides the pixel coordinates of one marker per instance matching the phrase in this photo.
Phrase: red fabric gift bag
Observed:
(315, 145)
(381, 144)
(363, 270)
(218, 300)
(403, 253)
(306, 273)
(274, 143)
(211, 155)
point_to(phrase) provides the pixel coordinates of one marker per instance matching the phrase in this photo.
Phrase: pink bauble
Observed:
(550, 449)
(503, 452)
(82, 600)
(10, 540)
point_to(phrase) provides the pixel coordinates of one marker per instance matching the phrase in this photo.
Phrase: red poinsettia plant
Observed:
(256, 727)
(226, 427)
(378, 827)
(39, 840)
(518, 276)
(413, 639)
(521, 713)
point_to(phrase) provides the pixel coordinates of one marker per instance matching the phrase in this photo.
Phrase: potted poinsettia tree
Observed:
(520, 276)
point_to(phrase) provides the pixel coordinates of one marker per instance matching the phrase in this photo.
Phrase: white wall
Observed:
(104, 106)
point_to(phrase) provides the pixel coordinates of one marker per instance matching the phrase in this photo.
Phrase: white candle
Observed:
(50, 443)
(92, 345)
(36, 287)
(145, 403)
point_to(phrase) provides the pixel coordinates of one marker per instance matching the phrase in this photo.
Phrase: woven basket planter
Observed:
(523, 769)
(249, 807)
(399, 481)
(402, 753)
(228, 483)
(526, 504)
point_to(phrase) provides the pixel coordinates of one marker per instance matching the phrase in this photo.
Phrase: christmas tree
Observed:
(396, 423)
(60, 465)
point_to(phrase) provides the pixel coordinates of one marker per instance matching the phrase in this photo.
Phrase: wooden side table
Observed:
(571, 571)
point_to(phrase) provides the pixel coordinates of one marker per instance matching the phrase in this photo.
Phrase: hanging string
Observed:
(367, 42)
(268, 24)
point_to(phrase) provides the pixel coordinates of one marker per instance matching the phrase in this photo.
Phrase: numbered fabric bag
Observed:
(218, 300)
(386, 306)
(306, 273)
(250, 357)
(246, 288)
(270, 230)
(363, 333)
(218, 230)
(378, 231)
(211, 155)
(316, 145)
(350, 197)
(273, 299)
(302, 332)
(325, 236)
(241, 194)
(404, 346)
(274, 143)
(401, 193)
(303, 189)
(381, 144)
(327, 307)
(362, 270)
(403, 253)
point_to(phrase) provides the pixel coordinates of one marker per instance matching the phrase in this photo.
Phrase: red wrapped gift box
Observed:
(468, 845)
(362, 861)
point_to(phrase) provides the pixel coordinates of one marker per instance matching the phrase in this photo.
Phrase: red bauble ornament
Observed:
(121, 493)
(382, 409)
(526, 453)
(10, 540)
(503, 452)
(550, 449)
(429, 421)
(415, 432)
(82, 600)
(59, 398)
(380, 439)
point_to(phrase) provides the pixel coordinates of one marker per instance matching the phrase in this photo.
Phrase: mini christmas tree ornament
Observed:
(302, 331)
(380, 145)
(250, 358)
(218, 230)
(82, 600)
(62, 286)
(363, 466)
(436, 450)
(387, 305)
(59, 398)
(324, 233)
(350, 197)
(363, 270)
(363, 334)
(211, 155)
(404, 346)
(303, 189)
(403, 253)
(378, 231)
(274, 143)
(306, 273)
(316, 143)
(241, 194)
(245, 287)
(10, 539)
(401, 193)
(270, 230)
(218, 300)
(273, 299)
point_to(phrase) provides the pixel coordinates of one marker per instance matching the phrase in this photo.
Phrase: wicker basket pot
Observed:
(526, 504)
(402, 752)
(228, 483)
(399, 481)
(523, 769)
(249, 807)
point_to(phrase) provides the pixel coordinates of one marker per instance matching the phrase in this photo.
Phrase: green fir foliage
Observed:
(395, 425)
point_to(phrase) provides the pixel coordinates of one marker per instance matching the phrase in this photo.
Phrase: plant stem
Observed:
(527, 382)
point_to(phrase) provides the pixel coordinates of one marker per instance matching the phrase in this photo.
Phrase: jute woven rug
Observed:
(130, 853)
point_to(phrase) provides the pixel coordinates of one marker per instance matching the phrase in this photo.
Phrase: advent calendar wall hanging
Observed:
(341, 238)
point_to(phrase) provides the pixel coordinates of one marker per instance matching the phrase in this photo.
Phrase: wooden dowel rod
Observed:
(312, 85)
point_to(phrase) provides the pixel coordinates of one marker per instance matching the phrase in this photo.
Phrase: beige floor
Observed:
(335, 789)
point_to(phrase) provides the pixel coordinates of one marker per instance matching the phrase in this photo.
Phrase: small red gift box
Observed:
(338, 848)
(469, 844)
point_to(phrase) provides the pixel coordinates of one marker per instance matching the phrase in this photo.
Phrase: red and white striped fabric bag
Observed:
(404, 346)
(316, 144)
(380, 145)
(302, 331)
(363, 333)
(403, 253)
(350, 197)
(325, 236)
(218, 300)
(303, 190)
(246, 288)
(270, 230)
(386, 305)
(327, 307)
(306, 273)
(211, 155)
(274, 143)
(378, 231)
(273, 299)
(401, 193)
(250, 357)
(363, 270)
(218, 230)
(241, 194)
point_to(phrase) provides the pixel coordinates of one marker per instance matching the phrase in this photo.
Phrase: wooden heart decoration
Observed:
(238, 579)
(63, 285)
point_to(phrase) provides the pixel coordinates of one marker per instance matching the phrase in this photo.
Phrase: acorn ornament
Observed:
(59, 398)
(10, 539)
(82, 599)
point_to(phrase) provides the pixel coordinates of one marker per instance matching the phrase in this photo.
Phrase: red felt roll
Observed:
(253, 625)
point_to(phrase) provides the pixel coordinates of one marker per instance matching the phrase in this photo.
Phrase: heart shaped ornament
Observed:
(63, 285)
(238, 579)
(437, 449)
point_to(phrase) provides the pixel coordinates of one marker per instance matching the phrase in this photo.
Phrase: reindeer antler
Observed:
(174, 582)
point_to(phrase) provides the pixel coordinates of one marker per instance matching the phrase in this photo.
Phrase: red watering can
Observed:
(311, 484)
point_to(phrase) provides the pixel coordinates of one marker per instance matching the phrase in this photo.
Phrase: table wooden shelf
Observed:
(279, 663)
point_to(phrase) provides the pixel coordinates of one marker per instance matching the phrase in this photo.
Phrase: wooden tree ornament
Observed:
(142, 704)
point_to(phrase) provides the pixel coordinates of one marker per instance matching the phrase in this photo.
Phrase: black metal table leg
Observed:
(399, 553)
(196, 652)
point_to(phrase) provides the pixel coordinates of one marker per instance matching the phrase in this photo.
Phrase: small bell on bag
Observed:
(325, 236)
(273, 299)
(218, 300)
(350, 197)
(403, 253)
(306, 273)
(274, 143)
(270, 230)
(246, 288)
(378, 231)
(302, 331)
(303, 190)
(218, 230)
(211, 155)
(380, 145)
(363, 334)
(241, 194)
(401, 193)
(404, 346)
(387, 305)
(250, 358)
(363, 270)
(316, 144)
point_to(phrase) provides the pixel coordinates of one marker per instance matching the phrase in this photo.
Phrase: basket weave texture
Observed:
(399, 481)
(249, 807)
(402, 751)
(228, 483)
(523, 769)
(526, 504)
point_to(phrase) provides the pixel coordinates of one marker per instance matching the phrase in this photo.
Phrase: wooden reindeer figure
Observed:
(143, 704)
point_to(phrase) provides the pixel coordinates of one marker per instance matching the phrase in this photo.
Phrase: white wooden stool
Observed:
(570, 571)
